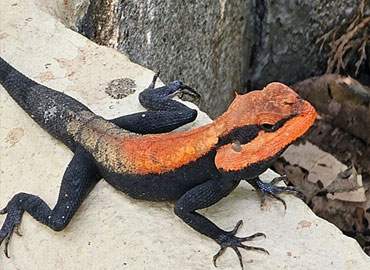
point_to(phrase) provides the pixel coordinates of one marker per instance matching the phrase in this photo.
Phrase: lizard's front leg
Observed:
(79, 178)
(203, 196)
(272, 190)
(165, 114)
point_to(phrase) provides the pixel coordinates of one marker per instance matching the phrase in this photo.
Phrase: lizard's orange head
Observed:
(275, 115)
(268, 106)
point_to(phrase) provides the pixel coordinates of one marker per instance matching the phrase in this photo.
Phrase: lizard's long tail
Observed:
(47, 107)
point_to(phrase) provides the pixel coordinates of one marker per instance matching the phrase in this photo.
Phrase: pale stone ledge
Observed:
(112, 231)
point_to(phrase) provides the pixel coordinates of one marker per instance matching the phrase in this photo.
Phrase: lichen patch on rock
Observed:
(121, 88)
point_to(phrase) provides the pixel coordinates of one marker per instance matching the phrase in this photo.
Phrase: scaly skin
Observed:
(133, 153)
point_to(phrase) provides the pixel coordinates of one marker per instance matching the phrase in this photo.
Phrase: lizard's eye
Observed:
(268, 123)
(268, 127)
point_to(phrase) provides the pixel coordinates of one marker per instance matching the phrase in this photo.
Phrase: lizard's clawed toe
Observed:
(185, 90)
(11, 224)
(4, 210)
(272, 190)
(228, 239)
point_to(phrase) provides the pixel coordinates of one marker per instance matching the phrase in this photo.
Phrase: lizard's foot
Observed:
(11, 224)
(228, 239)
(185, 90)
(177, 88)
(272, 190)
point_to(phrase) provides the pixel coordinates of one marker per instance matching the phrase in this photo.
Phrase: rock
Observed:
(110, 230)
(219, 46)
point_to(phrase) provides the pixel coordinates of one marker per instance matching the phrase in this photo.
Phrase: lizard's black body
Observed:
(103, 149)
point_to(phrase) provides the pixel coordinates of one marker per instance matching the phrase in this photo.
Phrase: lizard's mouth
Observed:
(267, 144)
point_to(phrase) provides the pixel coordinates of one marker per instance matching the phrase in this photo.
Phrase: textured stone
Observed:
(219, 46)
(285, 43)
(110, 230)
(199, 42)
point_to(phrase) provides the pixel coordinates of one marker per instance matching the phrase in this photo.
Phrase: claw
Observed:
(4, 210)
(185, 90)
(230, 240)
(279, 199)
(191, 92)
(254, 248)
(278, 179)
(272, 190)
(155, 77)
(239, 256)
(6, 236)
(17, 231)
(218, 254)
(11, 224)
(251, 237)
(6, 246)
(238, 225)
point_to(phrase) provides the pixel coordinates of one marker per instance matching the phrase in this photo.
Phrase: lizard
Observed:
(140, 156)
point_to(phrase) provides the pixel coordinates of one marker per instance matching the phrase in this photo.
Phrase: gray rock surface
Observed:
(219, 46)
(199, 42)
(110, 230)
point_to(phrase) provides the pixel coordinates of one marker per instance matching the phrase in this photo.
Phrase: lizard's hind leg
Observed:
(79, 178)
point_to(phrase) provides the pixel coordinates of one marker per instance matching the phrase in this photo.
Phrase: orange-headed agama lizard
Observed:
(137, 155)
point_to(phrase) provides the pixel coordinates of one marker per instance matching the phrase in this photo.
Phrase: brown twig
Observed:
(344, 47)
